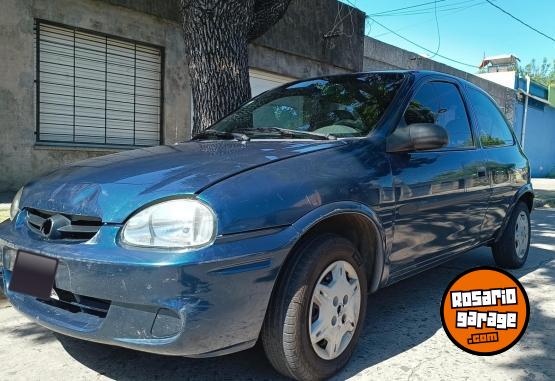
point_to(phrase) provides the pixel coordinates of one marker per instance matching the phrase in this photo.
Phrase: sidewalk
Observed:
(6, 199)
(545, 193)
(544, 184)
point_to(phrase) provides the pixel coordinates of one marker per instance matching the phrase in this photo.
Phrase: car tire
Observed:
(323, 269)
(511, 249)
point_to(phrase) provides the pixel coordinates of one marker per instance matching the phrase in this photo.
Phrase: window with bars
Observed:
(97, 89)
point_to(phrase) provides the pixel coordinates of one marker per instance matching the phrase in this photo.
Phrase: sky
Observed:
(468, 29)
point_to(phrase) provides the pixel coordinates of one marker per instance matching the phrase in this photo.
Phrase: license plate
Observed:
(33, 275)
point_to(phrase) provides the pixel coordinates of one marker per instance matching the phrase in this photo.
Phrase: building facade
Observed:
(83, 78)
(534, 113)
(91, 77)
(534, 124)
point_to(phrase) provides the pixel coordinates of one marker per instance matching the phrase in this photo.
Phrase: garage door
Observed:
(263, 80)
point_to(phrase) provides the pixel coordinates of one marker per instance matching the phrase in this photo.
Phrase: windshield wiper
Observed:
(287, 132)
(221, 134)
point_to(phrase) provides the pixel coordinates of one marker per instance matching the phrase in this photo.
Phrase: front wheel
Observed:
(317, 311)
(511, 250)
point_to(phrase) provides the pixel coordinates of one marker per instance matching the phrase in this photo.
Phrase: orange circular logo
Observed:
(485, 311)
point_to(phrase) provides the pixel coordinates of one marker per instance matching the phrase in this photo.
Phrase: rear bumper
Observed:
(203, 303)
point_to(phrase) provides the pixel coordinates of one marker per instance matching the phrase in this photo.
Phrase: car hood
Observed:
(112, 187)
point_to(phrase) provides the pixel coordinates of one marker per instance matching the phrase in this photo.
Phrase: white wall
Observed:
(503, 78)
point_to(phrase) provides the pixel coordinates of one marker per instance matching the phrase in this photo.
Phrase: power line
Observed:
(432, 9)
(420, 46)
(445, 8)
(520, 21)
(409, 7)
(456, 10)
(438, 32)
(412, 42)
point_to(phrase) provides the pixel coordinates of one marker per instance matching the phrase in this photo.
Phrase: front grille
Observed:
(75, 303)
(79, 228)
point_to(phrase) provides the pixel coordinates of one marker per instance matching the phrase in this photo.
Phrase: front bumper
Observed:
(200, 303)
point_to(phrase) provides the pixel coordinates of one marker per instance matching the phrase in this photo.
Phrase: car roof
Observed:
(416, 74)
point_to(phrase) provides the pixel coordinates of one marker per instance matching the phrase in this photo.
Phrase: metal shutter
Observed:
(96, 89)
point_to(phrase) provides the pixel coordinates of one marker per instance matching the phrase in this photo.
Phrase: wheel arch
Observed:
(525, 194)
(528, 198)
(354, 221)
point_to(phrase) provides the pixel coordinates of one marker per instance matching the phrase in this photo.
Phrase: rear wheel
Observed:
(511, 250)
(316, 314)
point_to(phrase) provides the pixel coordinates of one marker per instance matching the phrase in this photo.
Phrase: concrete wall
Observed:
(325, 31)
(287, 64)
(381, 56)
(332, 36)
(20, 159)
(332, 40)
(539, 138)
(166, 9)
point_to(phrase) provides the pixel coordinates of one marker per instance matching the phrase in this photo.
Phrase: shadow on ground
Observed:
(37, 334)
(406, 314)
(400, 317)
(544, 198)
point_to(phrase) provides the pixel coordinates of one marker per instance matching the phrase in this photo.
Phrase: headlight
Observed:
(14, 209)
(174, 224)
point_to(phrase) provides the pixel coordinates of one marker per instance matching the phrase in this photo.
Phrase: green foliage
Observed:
(490, 141)
(543, 73)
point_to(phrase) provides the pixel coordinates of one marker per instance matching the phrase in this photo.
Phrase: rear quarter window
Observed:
(493, 129)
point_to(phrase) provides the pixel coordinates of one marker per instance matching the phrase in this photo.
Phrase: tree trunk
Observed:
(216, 35)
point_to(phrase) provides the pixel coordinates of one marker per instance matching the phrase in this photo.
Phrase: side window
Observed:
(493, 128)
(441, 103)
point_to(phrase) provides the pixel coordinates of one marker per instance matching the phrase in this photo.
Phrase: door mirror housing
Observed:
(417, 137)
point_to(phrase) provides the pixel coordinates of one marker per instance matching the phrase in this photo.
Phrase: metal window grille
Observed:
(97, 89)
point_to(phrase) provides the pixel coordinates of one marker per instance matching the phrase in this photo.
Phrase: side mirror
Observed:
(417, 137)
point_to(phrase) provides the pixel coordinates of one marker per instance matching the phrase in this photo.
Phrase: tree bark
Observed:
(266, 14)
(216, 35)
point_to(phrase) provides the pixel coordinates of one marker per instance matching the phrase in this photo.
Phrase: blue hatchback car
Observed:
(275, 223)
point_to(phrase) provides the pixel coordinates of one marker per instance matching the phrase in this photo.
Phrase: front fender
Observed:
(311, 219)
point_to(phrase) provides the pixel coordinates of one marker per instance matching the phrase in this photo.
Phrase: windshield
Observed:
(333, 107)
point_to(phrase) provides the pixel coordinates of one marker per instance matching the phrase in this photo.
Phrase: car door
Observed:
(441, 195)
(506, 165)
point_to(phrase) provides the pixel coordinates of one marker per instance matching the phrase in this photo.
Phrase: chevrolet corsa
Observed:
(274, 224)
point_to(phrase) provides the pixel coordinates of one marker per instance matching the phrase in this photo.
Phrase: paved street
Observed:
(403, 338)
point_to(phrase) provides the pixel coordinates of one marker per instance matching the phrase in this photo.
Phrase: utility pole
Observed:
(525, 113)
